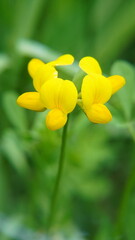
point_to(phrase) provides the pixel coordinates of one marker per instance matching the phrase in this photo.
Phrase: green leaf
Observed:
(126, 94)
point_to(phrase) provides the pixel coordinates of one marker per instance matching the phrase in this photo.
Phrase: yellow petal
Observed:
(59, 93)
(34, 65)
(43, 74)
(95, 89)
(117, 82)
(67, 96)
(99, 113)
(90, 65)
(31, 101)
(55, 119)
(87, 92)
(49, 93)
(66, 59)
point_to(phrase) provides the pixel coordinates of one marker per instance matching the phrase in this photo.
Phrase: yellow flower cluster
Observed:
(97, 90)
(61, 96)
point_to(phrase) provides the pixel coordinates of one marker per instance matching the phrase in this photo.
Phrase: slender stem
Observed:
(58, 177)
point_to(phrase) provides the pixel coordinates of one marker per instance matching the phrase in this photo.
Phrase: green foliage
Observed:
(15, 114)
(96, 199)
(126, 95)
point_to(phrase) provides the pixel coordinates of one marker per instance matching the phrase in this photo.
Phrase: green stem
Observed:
(58, 177)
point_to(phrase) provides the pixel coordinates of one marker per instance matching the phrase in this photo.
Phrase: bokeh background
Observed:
(97, 194)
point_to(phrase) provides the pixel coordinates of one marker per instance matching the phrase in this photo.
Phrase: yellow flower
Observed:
(97, 90)
(40, 73)
(60, 97)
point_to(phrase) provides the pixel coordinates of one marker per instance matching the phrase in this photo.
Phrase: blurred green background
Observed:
(97, 195)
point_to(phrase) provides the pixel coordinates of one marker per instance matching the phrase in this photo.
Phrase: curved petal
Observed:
(59, 93)
(67, 96)
(50, 93)
(31, 101)
(56, 119)
(95, 89)
(117, 82)
(88, 92)
(99, 113)
(66, 59)
(43, 74)
(90, 65)
(34, 65)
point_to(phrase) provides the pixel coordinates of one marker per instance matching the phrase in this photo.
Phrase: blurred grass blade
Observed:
(35, 49)
(103, 11)
(16, 115)
(32, 48)
(11, 148)
(4, 62)
(117, 33)
(30, 11)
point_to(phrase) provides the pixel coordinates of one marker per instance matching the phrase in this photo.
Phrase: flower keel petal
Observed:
(99, 113)
(55, 119)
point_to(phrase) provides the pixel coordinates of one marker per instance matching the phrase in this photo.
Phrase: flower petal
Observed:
(99, 113)
(95, 89)
(117, 82)
(50, 93)
(88, 91)
(56, 119)
(31, 101)
(90, 65)
(43, 74)
(66, 59)
(34, 65)
(67, 96)
(59, 93)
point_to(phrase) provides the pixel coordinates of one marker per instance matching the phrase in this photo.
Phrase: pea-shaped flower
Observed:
(96, 90)
(40, 73)
(60, 97)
